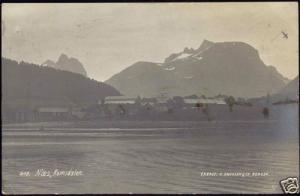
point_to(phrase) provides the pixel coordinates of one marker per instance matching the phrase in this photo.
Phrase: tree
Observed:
(230, 101)
(178, 102)
(199, 105)
(205, 111)
(191, 96)
(266, 112)
(170, 105)
(138, 101)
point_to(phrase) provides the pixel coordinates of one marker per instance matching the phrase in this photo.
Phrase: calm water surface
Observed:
(152, 160)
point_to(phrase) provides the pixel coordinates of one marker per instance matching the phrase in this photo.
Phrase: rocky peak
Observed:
(62, 59)
(205, 45)
(67, 64)
(188, 50)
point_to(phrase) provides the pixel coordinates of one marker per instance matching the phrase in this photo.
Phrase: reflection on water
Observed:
(152, 160)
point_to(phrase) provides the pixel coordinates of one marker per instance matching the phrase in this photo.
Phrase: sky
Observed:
(108, 37)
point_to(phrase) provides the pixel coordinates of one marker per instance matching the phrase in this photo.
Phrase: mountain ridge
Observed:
(66, 63)
(232, 68)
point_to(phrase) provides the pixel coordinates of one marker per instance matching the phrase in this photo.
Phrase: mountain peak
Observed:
(188, 50)
(67, 64)
(62, 58)
(63, 55)
(205, 44)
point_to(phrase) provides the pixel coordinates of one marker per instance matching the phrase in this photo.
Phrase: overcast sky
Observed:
(107, 38)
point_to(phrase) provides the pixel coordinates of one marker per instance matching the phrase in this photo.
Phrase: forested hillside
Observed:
(30, 84)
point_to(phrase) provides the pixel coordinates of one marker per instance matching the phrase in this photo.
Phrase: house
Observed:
(149, 101)
(161, 103)
(53, 112)
(198, 102)
(78, 112)
(118, 100)
(17, 113)
(118, 105)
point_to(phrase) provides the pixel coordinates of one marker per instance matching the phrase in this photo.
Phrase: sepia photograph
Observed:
(150, 98)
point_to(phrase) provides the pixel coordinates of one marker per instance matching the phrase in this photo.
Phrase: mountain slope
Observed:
(231, 68)
(67, 64)
(142, 78)
(29, 84)
(290, 91)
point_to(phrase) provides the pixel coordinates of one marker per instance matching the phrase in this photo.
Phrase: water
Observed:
(152, 160)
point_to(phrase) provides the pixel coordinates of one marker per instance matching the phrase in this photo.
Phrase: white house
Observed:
(204, 101)
(118, 100)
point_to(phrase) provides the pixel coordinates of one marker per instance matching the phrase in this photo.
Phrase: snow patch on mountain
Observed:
(181, 56)
(188, 77)
(170, 68)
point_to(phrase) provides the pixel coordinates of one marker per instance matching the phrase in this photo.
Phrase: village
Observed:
(137, 108)
(111, 107)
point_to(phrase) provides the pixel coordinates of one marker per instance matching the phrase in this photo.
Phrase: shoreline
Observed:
(132, 124)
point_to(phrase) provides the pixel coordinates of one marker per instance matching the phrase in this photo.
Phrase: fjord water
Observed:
(152, 160)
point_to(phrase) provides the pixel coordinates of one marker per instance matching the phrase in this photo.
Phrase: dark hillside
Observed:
(30, 84)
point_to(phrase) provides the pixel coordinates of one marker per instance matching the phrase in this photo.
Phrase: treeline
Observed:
(24, 83)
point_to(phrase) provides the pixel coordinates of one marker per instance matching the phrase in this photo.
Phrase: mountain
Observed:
(67, 64)
(30, 84)
(231, 68)
(290, 91)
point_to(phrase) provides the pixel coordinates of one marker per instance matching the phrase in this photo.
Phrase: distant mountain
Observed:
(290, 91)
(292, 88)
(67, 64)
(231, 68)
(28, 84)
